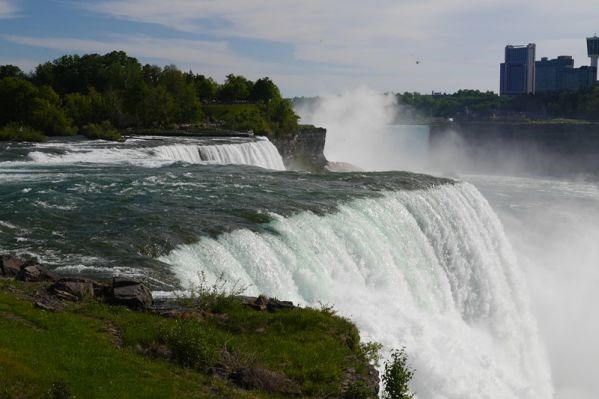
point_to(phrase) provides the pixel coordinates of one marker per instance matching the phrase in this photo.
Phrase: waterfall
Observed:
(261, 153)
(430, 270)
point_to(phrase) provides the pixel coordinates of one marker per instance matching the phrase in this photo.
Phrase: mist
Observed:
(553, 226)
(361, 131)
(366, 129)
(548, 203)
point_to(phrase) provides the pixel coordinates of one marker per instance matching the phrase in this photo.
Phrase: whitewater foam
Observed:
(429, 270)
(260, 152)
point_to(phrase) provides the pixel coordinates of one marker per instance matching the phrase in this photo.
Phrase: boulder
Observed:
(35, 273)
(130, 293)
(264, 303)
(10, 265)
(79, 287)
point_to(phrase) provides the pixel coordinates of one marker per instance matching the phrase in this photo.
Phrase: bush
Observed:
(18, 132)
(397, 376)
(218, 297)
(102, 131)
(191, 344)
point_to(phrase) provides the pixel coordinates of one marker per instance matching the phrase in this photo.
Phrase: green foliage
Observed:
(372, 352)
(216, 297)
(265, 90)
(397, 376)
(102, 131)
(235, 89)
(17, 132)
(11, 71)
(74, 352)
(357, 390)
(191, 344)
(473, 104)
(73, 91)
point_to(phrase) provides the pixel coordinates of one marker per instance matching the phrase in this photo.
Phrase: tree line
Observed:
(64, 96)
(474, 104)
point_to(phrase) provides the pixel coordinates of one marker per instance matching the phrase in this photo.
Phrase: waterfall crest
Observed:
(261, 153)
(430, 270)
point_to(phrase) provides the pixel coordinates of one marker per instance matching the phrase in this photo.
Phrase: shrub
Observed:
(217, 297)
(191, 344)
(371, 352)
(102, 131)
(397, 376)
(18, 132)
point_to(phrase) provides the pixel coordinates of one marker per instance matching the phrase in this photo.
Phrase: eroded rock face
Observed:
(130, 293)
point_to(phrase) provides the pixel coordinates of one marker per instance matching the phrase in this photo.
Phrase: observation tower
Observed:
(593, 51)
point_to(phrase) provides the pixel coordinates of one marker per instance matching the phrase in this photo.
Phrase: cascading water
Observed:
(260, 152)
(430, 270)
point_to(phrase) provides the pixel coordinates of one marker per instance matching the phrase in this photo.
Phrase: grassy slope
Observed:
(75, 350)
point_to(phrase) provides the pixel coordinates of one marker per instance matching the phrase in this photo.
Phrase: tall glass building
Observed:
(517, 74)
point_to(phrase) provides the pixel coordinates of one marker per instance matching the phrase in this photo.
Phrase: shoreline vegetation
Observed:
(64, 337)
(106, 96)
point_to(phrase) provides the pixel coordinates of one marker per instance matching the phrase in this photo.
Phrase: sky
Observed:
(308, 47)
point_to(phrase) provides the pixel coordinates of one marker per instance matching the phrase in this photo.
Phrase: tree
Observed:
(265, 90)
(11, 71)
(206, 88)
(16, 100)
(235, 89)
(397, 376)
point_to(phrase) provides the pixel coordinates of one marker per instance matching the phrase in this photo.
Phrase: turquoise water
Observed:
(101, 208)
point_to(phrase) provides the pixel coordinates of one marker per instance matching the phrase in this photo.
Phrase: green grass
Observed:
(73, 352)
(17, 132)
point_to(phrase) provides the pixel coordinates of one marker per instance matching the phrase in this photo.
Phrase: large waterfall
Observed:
(430, 270)
(260, 152)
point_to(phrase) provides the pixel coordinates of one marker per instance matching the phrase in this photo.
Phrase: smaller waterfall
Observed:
(260, 153)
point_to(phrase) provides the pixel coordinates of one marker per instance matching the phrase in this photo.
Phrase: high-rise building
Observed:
(517, 75)
(593, 51)
(550, 73)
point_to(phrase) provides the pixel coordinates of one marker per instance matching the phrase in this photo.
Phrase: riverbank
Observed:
(58, 339)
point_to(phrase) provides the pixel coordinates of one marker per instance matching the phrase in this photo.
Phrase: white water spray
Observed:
(431, 270)
(360, 131)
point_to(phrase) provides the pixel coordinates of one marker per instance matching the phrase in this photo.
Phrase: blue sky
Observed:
(308, 47)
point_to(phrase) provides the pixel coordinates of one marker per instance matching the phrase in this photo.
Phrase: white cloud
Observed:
(458, 43)
(7, 9)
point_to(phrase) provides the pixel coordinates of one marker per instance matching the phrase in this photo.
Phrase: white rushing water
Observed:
(261, 153)
(553, 225)
(429, 270)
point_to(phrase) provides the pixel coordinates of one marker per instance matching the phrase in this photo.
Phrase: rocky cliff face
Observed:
(305, 150)
(552, 148)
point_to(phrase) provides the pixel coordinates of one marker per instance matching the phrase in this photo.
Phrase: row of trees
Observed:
(62, 96)
(474, 104)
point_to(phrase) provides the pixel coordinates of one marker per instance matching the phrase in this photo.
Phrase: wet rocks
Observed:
(119, 291)
(36, 273)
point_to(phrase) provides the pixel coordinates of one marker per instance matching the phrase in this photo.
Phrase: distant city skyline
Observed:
(307, 48)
